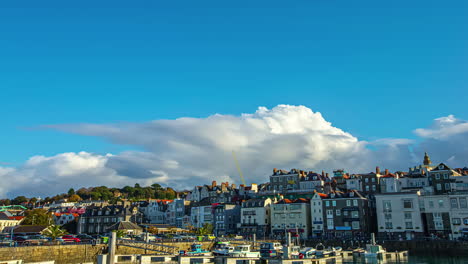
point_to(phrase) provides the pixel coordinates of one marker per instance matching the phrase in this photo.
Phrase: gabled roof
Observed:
(124, 225)
(29, 229)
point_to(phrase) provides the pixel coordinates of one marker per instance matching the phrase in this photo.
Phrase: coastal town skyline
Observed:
(118, 93)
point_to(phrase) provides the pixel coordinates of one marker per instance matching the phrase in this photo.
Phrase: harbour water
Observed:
(424, 260)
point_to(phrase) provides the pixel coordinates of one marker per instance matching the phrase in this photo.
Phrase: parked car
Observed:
(85, 237)
(70, 238)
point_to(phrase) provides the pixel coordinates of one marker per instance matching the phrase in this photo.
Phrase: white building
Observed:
(201, 215)
(399, 215)
(255, 217)
(155, 212)
(316, 206)
(354, 182)
(291, 216)
(446, 215)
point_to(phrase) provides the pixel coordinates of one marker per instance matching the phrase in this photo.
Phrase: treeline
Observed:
(103, 193)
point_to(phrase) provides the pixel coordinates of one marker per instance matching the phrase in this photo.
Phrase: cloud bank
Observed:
(189, 151)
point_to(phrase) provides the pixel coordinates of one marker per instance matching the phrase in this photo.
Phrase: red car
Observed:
(70, 238)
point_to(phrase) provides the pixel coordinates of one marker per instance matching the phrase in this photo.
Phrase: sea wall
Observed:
(60, 253)
(82, 253)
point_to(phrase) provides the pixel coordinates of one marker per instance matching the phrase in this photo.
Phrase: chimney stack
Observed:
(377, 170)
(213, 184)
(275, 170)
(326, 174)
(323, 173)
(386, 171)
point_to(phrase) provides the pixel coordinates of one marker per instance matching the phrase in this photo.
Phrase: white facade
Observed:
(390, 184)
(291, 217)
(354, 184)
(201, 215)
(455, 205)
(256, 212)
(414, 182)
(316, 206)
(155, 212)
(399, 213)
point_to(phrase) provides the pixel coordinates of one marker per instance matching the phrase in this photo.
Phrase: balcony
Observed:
(317, 222)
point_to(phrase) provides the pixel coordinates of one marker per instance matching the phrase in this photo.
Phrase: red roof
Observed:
(16, 217)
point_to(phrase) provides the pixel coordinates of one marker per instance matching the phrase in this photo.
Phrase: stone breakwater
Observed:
(80, 253)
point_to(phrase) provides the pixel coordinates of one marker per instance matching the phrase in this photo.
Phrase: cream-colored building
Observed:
(399, 215)
(7, 221)
(291, 216)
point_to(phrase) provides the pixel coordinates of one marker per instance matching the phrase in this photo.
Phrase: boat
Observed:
(271, 250)
(195, 250)
(243, 251)
(307, 253)
(222, 249)
(374, 251)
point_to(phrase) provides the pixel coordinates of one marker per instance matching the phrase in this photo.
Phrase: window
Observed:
(387, 205)
(366, 180)
(355, 202)
(446, 176)
(338, 212)
(441, 203)
(373, 179)
(462, 202)
(431, 204)
(388, 225)
(388, 216)
(374, 187)
(447, 186)
(453, 203)
(409, 225)
(327, 203)
(345, 213)
(407, 204)
(465, 221)
(355, 214)
(456, 221)
(329, 213)
(439, 187)
(330, 224)
(437, 176)
(408, 215)
(355, 224)
(334, 203)
(348, 202)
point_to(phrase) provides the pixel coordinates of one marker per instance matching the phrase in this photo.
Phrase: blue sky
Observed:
(376, 69)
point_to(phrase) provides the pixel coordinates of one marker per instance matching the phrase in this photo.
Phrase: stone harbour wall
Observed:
(60, 253)
(84, 253)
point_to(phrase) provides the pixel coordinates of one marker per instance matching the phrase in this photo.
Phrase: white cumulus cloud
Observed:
(190, 151)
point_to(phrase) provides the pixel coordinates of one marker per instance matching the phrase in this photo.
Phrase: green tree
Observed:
(71, 192)
(119, 233)
(19, 200)
(37, 217)
(54, 232)
(74, 198)
(207, 229)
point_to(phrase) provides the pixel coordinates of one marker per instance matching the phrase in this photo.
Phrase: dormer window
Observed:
(441, 167)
